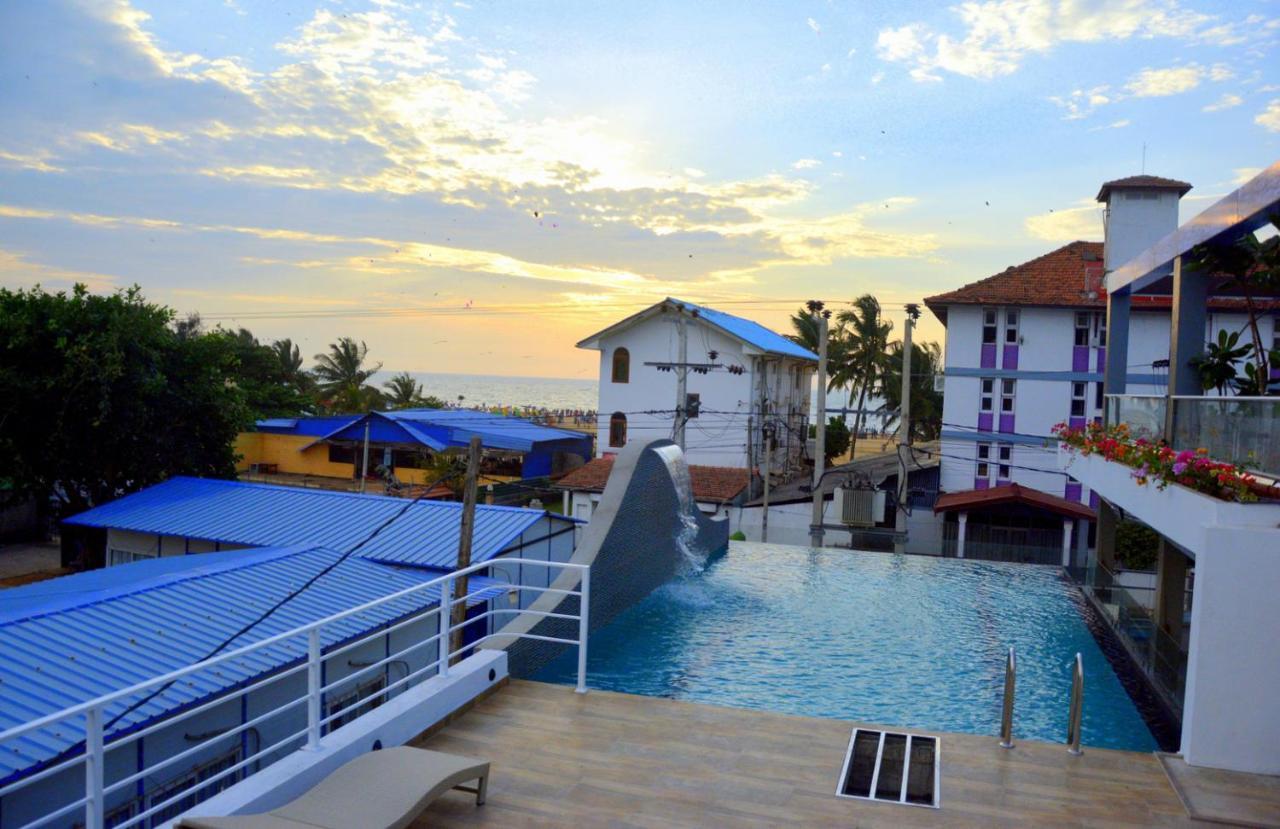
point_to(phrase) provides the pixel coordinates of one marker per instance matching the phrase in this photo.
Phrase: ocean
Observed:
(494, 390)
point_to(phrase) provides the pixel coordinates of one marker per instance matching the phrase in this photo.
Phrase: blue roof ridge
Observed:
(236, 560)
(315, 491)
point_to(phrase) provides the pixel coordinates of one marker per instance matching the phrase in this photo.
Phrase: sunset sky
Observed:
(473, 186)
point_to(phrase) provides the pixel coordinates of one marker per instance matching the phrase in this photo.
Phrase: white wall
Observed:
(719, 436)
(1136, 220)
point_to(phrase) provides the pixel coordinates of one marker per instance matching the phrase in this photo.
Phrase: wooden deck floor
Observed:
(605, 759)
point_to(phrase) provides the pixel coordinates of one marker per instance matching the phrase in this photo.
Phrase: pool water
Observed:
(908, 641)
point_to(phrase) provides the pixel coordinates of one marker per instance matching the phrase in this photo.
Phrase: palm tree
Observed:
(343, 378)
(403, 392)
(865, 334)
(806, 336)
(926, 404)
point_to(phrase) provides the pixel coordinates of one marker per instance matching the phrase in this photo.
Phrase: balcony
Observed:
(1240, 430)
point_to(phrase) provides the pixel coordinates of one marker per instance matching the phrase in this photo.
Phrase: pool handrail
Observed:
(1077, 706)
(1006, 714)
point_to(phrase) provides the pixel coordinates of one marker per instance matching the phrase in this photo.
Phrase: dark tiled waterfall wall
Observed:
(641, 549)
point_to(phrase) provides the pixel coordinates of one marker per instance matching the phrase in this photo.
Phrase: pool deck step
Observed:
(610, 759)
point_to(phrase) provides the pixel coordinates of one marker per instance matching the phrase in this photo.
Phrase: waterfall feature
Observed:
(646, 531)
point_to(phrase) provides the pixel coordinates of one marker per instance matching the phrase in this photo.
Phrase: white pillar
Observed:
(964, 520)
(1067, 523)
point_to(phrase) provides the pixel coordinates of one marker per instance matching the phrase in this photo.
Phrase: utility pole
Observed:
(682, 379)
(904, 432)
(458, 614)
(364, 466)
(820, 317)
(751, 454)
(767, 434)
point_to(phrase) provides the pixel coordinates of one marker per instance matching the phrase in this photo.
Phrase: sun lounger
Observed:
(387, 788)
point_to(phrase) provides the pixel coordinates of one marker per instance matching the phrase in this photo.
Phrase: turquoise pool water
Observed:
(908, 641)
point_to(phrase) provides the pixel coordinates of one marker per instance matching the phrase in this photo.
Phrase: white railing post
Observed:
(93, 764)
(584, 624)
(313, 688)
(446, 624)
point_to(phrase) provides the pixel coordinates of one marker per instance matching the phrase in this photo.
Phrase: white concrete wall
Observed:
(1136, 220)
(719, 436)
(1231, 719)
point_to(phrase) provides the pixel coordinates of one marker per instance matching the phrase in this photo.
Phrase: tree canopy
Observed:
(100, 395)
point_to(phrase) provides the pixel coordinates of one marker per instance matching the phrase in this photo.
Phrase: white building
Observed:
(1025, 350)
(743, 370)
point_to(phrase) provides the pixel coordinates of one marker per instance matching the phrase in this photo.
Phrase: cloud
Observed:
(813, 24)
(1158, 83)
(1269, 118)
(1244, 174)
(1114, 125)
(806, 164)
(1227, 101)
(17, 270)
(995, 37)
(1081, 222)
(1081, 102)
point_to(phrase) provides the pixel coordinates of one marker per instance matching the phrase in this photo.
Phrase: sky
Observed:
(473, 187)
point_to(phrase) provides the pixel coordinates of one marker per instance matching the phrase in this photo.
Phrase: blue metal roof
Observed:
(437, 429)
(93, 634)
(749, 331)
(265, 515)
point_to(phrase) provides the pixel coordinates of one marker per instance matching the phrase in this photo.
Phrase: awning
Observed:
(1010, 494)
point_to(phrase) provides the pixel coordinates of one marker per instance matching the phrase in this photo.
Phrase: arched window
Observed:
(618, 429)
(621, 366)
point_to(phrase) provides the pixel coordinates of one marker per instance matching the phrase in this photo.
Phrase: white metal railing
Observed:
(91, 753)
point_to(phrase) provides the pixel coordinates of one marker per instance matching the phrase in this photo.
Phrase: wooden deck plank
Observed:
(606, 759)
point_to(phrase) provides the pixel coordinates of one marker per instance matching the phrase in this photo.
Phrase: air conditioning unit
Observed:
(860, 507)
(939, 382)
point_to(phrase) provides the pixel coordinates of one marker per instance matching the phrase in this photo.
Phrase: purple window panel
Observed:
(1080, 358)
(989, 355)
(1006, 422)
(985, 421)
(1076, 422)
(1074, 491)
(1102, 360)
(1093, 500)
(1002, 482)
(980, 483)
(1010, 356)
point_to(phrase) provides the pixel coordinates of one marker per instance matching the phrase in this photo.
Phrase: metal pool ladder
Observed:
(1006, 715)
(1077, 706)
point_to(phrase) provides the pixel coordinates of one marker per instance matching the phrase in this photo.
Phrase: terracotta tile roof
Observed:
(1071, 276)
(1010, 494)
(710, 483)
(1143, 183)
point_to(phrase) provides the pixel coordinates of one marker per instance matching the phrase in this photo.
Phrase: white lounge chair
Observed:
(387, 788)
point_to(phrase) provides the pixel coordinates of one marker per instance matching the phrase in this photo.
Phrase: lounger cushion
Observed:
(387, 788)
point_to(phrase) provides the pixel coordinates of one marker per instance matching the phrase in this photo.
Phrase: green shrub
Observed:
(1137, 545)
(738, 536)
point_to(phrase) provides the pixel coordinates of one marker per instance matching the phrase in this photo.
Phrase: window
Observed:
(341, 453)
(621, 365)
(1011, 327)
(1100, 322)
(190, 782)
(1006, 396)
(984, 460)
(1098, 399)
(345, 706)
(1082, 328)
(989, 326)
(1079, 394)
(987, 398)
(618, 429)
(1006, 455)
(115, 556)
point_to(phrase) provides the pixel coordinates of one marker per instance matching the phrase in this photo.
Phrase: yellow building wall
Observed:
(285, 452)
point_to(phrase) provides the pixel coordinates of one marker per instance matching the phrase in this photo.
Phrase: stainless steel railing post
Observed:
(1006, 716)
(1077, 706)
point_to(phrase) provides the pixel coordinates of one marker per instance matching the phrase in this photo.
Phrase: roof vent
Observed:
(892, 768)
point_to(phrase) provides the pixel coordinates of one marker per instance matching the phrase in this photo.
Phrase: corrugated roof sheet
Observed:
(264, 515)
(750, 331)
(437, 429)
(91, 636)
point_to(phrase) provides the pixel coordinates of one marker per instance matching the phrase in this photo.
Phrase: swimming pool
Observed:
(909, 641)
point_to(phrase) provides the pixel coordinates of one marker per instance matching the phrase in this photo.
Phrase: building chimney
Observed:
(1141, 210)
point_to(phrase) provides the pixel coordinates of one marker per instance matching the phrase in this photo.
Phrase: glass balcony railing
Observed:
(1240, 430)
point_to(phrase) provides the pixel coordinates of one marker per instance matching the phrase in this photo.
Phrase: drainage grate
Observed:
(892, 768)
